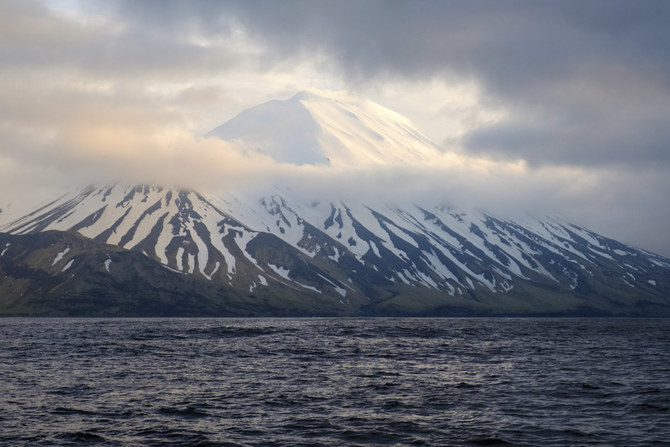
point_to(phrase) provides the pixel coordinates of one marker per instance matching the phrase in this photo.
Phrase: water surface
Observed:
(333, 382)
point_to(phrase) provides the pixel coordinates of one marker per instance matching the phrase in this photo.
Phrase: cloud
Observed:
(595, 70)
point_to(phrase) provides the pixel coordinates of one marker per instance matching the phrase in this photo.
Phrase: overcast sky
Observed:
(547, 106)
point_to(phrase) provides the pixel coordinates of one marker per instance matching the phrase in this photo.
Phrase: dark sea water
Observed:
(334, 382)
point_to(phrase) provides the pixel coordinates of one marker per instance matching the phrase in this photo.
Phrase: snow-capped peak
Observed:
(330, 128)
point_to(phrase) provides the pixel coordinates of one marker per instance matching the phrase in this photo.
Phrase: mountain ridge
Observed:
(355, 256)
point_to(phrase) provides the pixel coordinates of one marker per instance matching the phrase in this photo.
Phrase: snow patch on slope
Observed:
(60, 255)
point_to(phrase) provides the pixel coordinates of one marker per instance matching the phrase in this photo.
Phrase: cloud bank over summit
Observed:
(544, 106)
(562, 69)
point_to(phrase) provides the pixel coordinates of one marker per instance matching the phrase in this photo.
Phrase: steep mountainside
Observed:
(364, 259)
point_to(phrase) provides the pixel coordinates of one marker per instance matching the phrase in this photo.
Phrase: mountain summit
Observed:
(328, 128)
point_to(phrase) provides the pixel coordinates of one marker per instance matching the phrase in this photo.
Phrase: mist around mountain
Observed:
(150, 250)
(328, 128)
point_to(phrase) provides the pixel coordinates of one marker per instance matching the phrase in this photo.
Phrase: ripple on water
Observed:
(332, 382)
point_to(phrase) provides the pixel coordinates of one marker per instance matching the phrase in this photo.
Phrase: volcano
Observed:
(280, 253)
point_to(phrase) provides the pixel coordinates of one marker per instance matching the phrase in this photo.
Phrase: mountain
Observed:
(328, 128)
(351, 258)
(278, 253)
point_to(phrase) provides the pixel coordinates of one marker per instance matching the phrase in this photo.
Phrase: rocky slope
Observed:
(348, 258)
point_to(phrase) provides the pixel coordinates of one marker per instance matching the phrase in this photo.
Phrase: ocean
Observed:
(334, 382)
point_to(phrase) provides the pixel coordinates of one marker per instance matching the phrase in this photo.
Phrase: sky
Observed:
(538, 106)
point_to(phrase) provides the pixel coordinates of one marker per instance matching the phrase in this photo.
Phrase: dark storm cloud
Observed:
(616, 139)
(582, 80)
